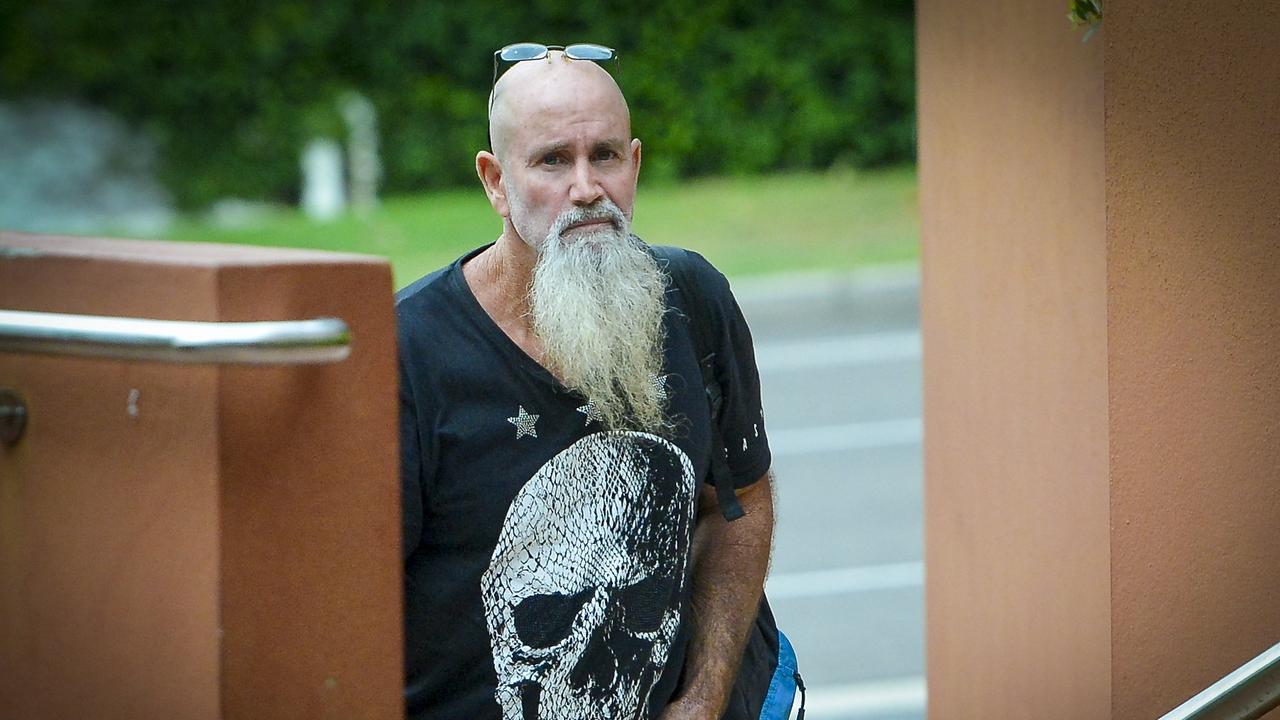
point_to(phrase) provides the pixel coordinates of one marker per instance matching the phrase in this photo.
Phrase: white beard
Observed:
(597, 301)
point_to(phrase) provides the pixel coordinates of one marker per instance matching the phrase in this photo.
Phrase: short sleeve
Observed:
(742, 414)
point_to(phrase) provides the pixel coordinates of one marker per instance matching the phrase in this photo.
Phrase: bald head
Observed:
(561, 136)
(555, 85)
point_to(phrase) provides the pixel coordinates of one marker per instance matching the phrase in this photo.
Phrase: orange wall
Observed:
(1013, 313)
(1193, 316)
(108, 522)
(232, 549)
(1015, 388)
(1101, 281)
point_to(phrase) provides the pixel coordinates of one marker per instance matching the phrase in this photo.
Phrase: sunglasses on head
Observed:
(520, 52)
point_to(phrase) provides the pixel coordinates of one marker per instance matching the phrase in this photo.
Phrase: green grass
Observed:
(745, 226)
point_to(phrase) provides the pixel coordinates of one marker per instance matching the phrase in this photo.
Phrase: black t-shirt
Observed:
(547, 561)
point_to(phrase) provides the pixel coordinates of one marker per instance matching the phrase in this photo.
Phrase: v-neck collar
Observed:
(485, 322)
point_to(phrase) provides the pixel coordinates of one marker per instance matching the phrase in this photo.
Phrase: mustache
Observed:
(602, 210)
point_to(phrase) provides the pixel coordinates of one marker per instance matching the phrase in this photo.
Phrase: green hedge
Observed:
(232, 90)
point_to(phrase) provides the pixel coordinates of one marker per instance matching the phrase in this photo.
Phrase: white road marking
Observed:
(861, 349)
(865, 699)
(843, 581)
(850, 436)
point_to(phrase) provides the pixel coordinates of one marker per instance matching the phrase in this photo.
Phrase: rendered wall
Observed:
(109, 554)
(1101, 287)
(227, 548)
(1193, 239)
(1014, 321)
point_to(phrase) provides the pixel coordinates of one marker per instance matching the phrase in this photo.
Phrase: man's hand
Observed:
(730, 560)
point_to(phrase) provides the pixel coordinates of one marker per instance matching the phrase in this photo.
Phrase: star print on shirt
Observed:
(659, 384)
(593, 415)
(525, 423)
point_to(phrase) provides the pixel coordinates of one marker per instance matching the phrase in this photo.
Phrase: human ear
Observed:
(489, 168)
(635, 158)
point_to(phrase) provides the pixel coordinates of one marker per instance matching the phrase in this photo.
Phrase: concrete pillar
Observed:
(205, 542)
(1101, 281)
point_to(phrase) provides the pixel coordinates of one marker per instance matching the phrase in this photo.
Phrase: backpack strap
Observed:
(701, 328)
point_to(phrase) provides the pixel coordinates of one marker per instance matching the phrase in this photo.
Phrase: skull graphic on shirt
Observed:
(582, 592)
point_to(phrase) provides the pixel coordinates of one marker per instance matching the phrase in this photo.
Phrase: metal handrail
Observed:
(322, 340)
(1246, 693)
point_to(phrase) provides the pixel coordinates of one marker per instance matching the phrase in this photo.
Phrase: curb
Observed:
(825, 284)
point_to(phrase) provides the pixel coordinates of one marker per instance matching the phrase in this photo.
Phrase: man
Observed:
(565, 556)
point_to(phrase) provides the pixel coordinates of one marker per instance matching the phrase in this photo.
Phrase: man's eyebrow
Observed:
(551, 149)
(615, 144)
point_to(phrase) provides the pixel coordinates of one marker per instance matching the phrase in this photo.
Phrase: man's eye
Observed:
(602, 155)
(551, 159)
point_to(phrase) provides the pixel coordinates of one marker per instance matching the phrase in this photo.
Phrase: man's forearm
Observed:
(730, 561)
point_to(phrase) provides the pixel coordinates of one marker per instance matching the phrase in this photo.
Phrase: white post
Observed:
(362, 150)
(322, 193)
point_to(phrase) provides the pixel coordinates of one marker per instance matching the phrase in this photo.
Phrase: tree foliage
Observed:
(232, 90)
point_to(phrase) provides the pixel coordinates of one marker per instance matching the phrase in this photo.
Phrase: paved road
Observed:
(840, 370)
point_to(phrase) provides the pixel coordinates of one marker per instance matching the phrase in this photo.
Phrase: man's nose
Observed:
(586, 188)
